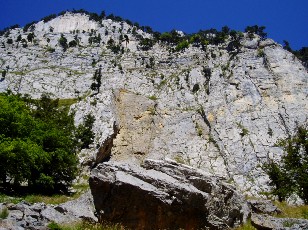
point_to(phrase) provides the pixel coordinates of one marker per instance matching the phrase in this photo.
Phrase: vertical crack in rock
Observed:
(284, 124)
(105, 150)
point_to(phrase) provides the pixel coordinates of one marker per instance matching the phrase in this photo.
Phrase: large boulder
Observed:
(164, 195)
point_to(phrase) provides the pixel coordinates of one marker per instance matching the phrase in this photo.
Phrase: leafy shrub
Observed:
(291, 175)
(97, 78)
(113, 46)
(260, 53)
(84, 132)
(50, 49)
(96, 39)
(259, 30)
(182, 46)
(146, 44)
(153, 97)
(196, 88)
(9, 41)
(49, 18)
(72, 43)
(54, 226)
(30, 37)
(63, 42)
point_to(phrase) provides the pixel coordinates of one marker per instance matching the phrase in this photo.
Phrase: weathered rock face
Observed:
(262, 222)
(67, 23)
(214, 110)
(36, 216)
(263, 206)
(165, 195)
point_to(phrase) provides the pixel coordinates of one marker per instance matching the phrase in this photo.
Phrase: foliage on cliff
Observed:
(37, 143)
(291, 176)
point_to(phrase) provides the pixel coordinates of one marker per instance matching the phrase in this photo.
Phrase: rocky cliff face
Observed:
(213, 110)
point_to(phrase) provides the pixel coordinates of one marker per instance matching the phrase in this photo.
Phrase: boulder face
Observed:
(165, 195)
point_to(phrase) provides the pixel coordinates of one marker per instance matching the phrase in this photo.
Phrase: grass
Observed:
(4, 213)
(292, 211)
(153, 97)
(246, 226)
(67, 102)
(300, 212)
(85, 226)
(37, 198)
(243, 129)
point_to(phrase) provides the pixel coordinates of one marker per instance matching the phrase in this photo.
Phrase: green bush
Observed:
(50, 49)
(9, 41)
(291, 175)
(54, 226)
(84, 132)
(63, 42)
(146, 44)
(182, 46)
(72, 43)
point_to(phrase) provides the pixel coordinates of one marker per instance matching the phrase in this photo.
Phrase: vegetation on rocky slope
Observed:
(38, 142)
(291, 175)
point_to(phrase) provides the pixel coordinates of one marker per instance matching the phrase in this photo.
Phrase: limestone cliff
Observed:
(215, 110)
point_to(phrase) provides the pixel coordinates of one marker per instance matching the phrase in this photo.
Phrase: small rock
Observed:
(263, 206)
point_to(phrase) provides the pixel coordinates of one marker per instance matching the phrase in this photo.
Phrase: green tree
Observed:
(97, 78)
(126, 39)
(30, 37)
(37, 146)
(72, 43)
(146, 44)
(182, 46)
(291, 175)
(84, 132)
(3, 73)
(287, 46)
(9, 41)
(63, 42)
(259, 30)
(18, 38)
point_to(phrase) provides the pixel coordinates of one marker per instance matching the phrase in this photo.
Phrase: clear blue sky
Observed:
(284, 19)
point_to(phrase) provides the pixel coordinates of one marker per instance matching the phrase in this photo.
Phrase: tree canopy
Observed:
(37, 143)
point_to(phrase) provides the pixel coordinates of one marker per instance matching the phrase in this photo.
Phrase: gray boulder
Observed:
(37, 216)
(81, 208)
(165, 195)
(263, 206)
(269, 222)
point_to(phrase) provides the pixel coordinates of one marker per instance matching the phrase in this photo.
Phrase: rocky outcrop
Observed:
(36, 216)
(263, 206)
(165, 195)
(266, 222)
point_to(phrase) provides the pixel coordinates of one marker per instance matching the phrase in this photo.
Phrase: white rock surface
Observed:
(226, 122)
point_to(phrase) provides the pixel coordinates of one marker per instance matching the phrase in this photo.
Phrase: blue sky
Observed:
(284, 19)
